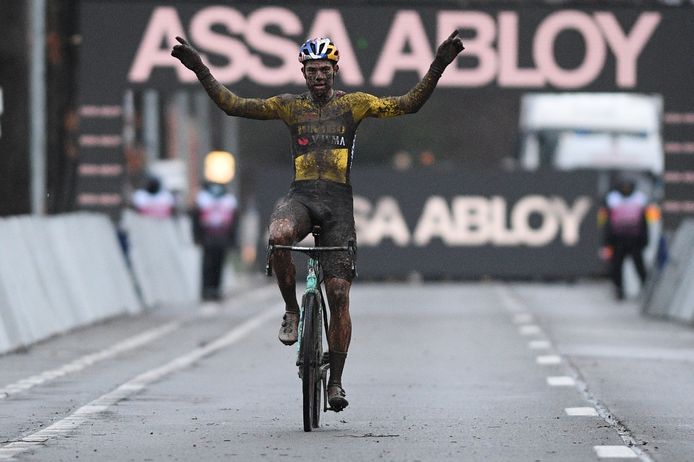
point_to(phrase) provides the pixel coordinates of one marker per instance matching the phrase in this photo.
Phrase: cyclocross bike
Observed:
(312, 362)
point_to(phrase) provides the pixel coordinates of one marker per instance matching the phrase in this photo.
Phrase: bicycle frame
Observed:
(313, 284)
(313, 288)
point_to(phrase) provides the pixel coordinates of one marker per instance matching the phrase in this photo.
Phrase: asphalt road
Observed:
(436, 372)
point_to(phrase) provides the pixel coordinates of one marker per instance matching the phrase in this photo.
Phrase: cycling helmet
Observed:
(318, 48)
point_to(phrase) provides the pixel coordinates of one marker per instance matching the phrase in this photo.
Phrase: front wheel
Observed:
(311, 355)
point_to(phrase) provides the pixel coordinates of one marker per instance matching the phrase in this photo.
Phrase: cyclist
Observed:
(322, 123)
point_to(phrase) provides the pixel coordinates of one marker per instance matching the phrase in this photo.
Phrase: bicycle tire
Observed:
(310, 374)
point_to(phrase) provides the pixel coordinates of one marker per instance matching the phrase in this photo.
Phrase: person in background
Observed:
(213, 229)
(626, 230)
(153, 200)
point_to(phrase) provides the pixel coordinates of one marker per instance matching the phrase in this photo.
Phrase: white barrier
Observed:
(671, 294)
(58, 273)
(164, 259)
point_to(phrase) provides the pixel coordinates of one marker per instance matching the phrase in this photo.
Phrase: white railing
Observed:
(58, 273)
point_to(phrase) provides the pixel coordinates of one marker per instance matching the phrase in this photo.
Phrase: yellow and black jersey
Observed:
(322, 136)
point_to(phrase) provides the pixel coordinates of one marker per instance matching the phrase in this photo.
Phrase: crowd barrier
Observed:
(670, 293)
(164, 259)
(58, 273)
(66, 271)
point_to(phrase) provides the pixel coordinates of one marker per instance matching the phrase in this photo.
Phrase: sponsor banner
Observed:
(511, 50)
(454, 224)
(538, 47)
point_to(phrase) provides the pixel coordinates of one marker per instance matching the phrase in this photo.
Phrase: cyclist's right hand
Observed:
(187, 55)
(449, 49)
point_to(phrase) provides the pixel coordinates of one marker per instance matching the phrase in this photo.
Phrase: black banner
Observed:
(458, 224)
(471, 119)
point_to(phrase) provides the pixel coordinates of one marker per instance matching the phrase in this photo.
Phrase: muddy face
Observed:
(320, 78)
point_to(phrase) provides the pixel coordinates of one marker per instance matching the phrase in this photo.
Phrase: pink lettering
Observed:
(164, 25)
(543, 49)
(627, 47)
(243, 45)
(407, 28)
(479, 47)
(232, 49)
(274, 45)
(510, 75)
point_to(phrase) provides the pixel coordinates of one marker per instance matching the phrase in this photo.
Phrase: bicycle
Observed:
(313, 363)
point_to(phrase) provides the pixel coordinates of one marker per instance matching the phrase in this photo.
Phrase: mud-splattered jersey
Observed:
(322, 136)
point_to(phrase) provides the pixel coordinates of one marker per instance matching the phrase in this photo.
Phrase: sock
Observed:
(337, 363)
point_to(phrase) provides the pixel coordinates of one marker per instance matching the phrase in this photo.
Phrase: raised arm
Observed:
(414, 99)
(229, 102)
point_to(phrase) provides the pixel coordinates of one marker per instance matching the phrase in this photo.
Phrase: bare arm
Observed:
(225, 99)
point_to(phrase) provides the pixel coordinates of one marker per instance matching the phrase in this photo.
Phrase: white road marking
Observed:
(530, 329)
(519, 310)
(91, 410)
(615, 452)
(509, 302)
(83, 362)
(522, 318)
(581, 411)
(561, 381)
(539, 345)
(148, 336)
(548, 360)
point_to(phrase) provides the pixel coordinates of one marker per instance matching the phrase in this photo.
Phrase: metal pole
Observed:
(151, 126)
(37, 107)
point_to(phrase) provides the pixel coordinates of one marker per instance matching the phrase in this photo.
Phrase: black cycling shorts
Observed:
(329, 205)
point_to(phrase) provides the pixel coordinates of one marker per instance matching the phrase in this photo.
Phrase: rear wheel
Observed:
(310, 368)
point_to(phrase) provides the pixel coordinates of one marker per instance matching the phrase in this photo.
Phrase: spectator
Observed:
(626, 230)
(213, 228)
(153, 200)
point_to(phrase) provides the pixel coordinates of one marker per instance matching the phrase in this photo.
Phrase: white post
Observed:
(150, 122)
(37, 106)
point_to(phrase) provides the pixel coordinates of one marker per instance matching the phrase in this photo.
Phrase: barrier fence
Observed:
(671, 292)
(57, 273)
(164, 260)
(61, 272)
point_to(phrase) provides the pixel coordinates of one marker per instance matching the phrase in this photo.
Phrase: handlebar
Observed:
(312, 252)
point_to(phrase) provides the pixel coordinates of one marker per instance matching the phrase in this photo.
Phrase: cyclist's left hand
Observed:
(449, 49)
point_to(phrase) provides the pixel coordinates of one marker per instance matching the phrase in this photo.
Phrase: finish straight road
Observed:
(473, 371)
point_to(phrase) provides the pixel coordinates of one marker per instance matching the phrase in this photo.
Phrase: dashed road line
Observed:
(539, 345)
(581, 412)
(606, 415)
(561, 381)
(615, 452)
(548, 360)
(92, 410)
(529, 329)
(522, 318)
(631, 448)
